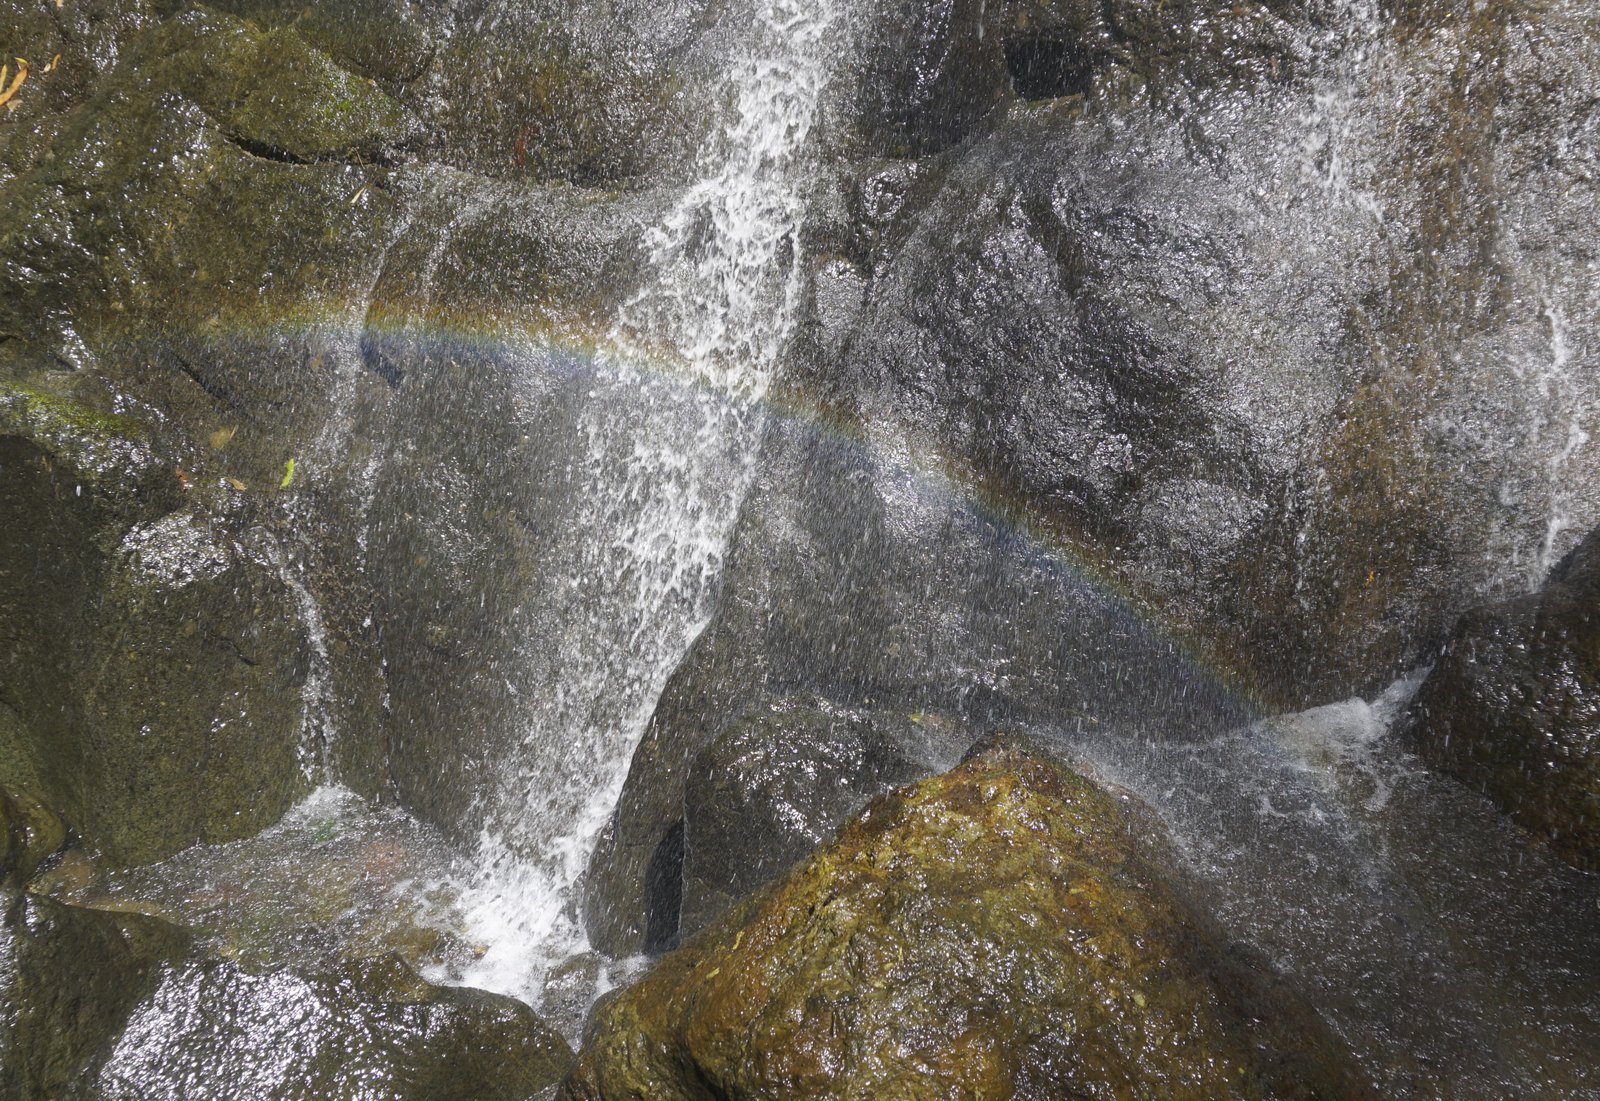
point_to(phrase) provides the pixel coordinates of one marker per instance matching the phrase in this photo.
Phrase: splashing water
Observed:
(1557, 382)
(666, 469)
(1453, 958)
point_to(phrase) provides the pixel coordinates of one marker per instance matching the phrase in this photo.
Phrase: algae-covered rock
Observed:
(154, 661)
(73, 977)
(1004, 930)
(228, 161)
(116, 1005)
(1512, 707)
(390, 41)
(271, 91)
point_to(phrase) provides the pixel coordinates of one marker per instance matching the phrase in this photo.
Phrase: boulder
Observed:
(1512, 707)
(771, 788)
(74, 977)
(117, 1005)
(155, 662)
(1006, 929)
(932, 72)
(213, 1030)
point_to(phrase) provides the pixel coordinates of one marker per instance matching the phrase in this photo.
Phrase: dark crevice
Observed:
(239, 653)
(380, 364)
(663, 892)
(276, 153)
(1049, 66)
(265, 151)
(217, 392)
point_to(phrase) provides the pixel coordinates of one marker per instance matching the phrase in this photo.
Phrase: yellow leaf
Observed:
(11, 89)
(237, 484)
(288, 474)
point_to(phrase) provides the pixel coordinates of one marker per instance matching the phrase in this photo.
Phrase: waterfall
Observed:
(671, 426)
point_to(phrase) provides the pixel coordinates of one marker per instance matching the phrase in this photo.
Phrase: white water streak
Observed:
(668, 464)
(1557, 385)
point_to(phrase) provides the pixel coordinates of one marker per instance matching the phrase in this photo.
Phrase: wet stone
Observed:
(119, 1005)
(1006, 929)
(1512, 707)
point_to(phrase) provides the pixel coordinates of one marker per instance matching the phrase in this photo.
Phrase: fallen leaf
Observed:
(288, 474)
(222, 437)
(237, 484)
(183, 477)
(11, 89)
(51, 67)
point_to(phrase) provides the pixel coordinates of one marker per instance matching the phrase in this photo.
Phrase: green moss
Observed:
(27, 411)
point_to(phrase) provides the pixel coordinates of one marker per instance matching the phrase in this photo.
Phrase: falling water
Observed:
(1558, 383)
(671, 425)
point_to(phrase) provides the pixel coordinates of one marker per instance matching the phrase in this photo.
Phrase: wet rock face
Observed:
(480, 326)
(212, 1030)
(773, 786)
(73, 977)
(931, 72)
(996, 930)
(30, 835)
(1512, 707)
(119, 1005)
(154, 663)
(1059, 439)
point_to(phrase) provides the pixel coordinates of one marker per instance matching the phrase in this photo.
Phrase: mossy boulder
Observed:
(194, 714)
(271, 91)
(104, 1004)
(154, 660)
(1008, 929)
(388, 41)
(74, 977)
(234, 163)
(1512, 707)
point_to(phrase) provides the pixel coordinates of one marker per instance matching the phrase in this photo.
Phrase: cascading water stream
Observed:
(671, 425)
